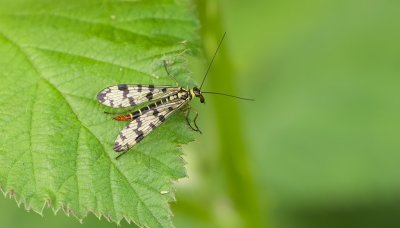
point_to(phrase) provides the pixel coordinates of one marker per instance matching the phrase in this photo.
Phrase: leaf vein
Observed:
(31, 105)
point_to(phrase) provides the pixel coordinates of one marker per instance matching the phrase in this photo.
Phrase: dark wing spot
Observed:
(170, 108)
(155, 113)
(117, 147)
(149, 95)
(161, 118)
(139, 123)
(101, 97)
(151, 88)
(139, 138)
(132, 101)
(164, 90)
(122, 136)
(125, 93)
(152, 126)
(122, 86)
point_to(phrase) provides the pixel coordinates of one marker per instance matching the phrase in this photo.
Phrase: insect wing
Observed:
(143, 125)
(123, 95)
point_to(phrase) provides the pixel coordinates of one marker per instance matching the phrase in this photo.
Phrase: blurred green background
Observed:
(319, 148)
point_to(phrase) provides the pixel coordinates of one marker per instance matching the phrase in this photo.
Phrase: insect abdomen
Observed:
(124, 118)
(136, 114)
(131, 116)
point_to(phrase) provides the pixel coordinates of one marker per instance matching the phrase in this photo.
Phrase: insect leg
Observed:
(166, 69)
(194, 120)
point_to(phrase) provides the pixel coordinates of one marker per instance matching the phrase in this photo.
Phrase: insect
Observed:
(162, 101)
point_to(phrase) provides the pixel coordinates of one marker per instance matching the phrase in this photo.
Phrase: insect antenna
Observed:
(228, 95)
(208, 69)
(212, 60)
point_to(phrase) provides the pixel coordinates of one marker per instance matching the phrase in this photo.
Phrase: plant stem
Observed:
(233, 150)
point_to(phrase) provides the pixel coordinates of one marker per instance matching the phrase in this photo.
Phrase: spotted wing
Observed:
(144, 124)
(123, 95)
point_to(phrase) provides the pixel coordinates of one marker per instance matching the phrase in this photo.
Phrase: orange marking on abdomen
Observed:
(123, 118)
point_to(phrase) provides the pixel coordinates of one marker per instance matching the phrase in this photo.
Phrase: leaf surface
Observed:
(56, 142)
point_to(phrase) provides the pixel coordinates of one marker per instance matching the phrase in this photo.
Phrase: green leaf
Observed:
(56, 142)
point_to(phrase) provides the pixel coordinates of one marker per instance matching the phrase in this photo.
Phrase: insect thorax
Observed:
(184, 94)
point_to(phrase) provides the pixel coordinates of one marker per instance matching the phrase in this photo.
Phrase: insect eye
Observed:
(196, 91)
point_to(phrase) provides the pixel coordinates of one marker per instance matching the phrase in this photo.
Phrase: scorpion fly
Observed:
(162, 101)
